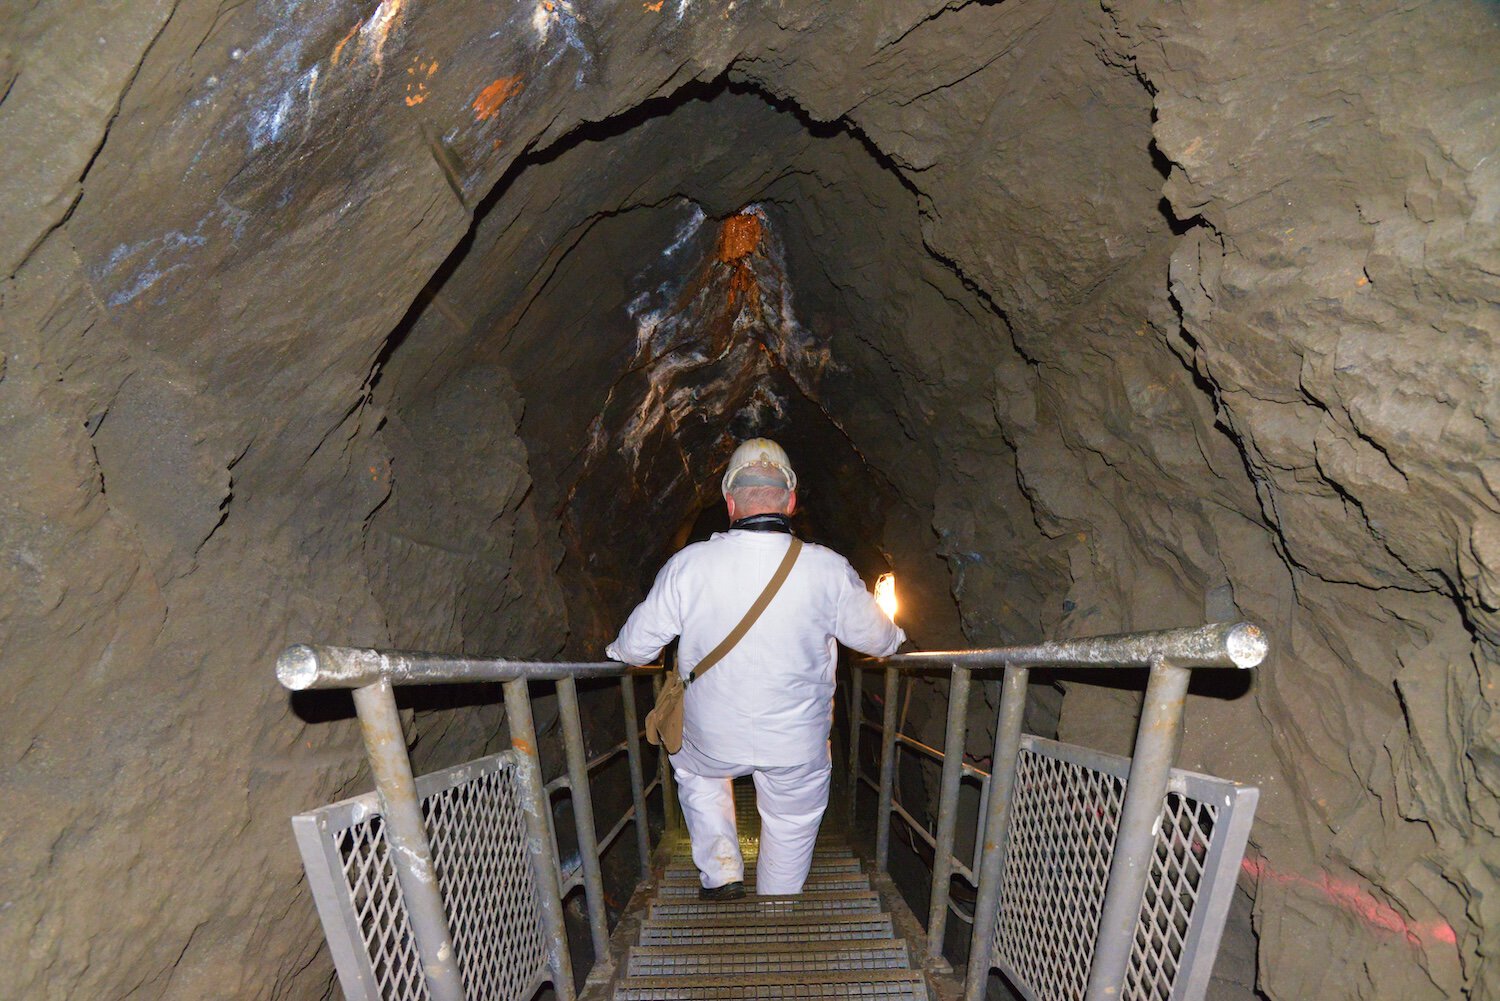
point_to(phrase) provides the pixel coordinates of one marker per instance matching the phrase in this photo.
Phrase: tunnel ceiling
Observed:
(431, 326)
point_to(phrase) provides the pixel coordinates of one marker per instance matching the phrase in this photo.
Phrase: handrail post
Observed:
(410, 851)
(538, 841)
(856, 724)
(887, 771)
(637, 778)
(947, 825)
(583, 816)
(1156, 743)
(996, 831)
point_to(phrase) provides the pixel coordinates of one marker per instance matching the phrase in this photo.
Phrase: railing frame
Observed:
(573, 878)
(1170, 655)
(583, 811)
(373, 675)
(967, 871)
(385, 743)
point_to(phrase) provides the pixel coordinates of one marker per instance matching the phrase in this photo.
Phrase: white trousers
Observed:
(791, 801)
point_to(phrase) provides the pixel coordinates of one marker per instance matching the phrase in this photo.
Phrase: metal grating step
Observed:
(833, 940)
(801, 904)
(684, 872)
(901, 985)
(683, 852)
(820, 956)
(775, 930)
(835, 883)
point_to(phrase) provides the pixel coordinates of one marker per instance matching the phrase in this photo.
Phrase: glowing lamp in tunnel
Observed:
(885, 594)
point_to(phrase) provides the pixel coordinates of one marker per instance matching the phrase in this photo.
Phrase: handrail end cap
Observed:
(297, 667)
(1247, 645)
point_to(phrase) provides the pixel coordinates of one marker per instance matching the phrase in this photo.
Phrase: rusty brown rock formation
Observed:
(428, 326)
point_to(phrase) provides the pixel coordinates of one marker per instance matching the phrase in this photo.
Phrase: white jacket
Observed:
(769, 702)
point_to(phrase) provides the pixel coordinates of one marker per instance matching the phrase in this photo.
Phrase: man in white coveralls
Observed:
(767, 706)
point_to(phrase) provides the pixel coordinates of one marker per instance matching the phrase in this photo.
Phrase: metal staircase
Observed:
(1094, 877)
(837, 939)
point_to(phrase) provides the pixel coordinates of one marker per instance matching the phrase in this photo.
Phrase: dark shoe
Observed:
(729, 891)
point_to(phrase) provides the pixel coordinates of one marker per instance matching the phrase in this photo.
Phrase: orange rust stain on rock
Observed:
(742, 283)
(738, 237)
(654, 7)
(487, 104)
(339, 48)
(416, 87)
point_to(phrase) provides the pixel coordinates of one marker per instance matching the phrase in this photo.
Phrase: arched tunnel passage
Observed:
(358, 321)
(699, 310)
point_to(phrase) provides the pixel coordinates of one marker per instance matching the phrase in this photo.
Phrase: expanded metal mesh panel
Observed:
(477, 830)
(1171, 894)
(748, 931)
(1062, 833)
(379, 912)
(1065, 815)
(478, 833)
(809, 957)
(875, 984)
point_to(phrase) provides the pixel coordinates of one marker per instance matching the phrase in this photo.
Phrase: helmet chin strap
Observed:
(763, 523)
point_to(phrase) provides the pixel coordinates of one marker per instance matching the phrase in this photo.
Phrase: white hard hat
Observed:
(759, 452)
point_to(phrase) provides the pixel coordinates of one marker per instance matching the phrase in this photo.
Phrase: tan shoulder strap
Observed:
(738, 632)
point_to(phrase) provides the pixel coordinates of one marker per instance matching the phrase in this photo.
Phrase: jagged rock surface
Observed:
(386, 324)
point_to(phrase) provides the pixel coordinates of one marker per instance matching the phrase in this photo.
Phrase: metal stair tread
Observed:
(896, 984)
(838, 855)
(687, 871)
(762, 931)
(821, 955)
(803, 903)
(832, 883)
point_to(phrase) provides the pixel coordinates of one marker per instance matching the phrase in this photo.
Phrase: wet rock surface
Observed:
(386, 324)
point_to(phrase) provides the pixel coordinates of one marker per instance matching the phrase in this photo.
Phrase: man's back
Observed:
(769, 701)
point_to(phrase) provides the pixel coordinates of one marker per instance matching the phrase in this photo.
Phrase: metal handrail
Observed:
(564, 781)
(373, 675)
(969, 872)
(573, 877)
(305, 666)
(958, 868)
(1218, 645)
(927, 749)
(1171, 656)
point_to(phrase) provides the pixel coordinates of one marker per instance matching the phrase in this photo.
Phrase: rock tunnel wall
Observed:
(386, 324)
